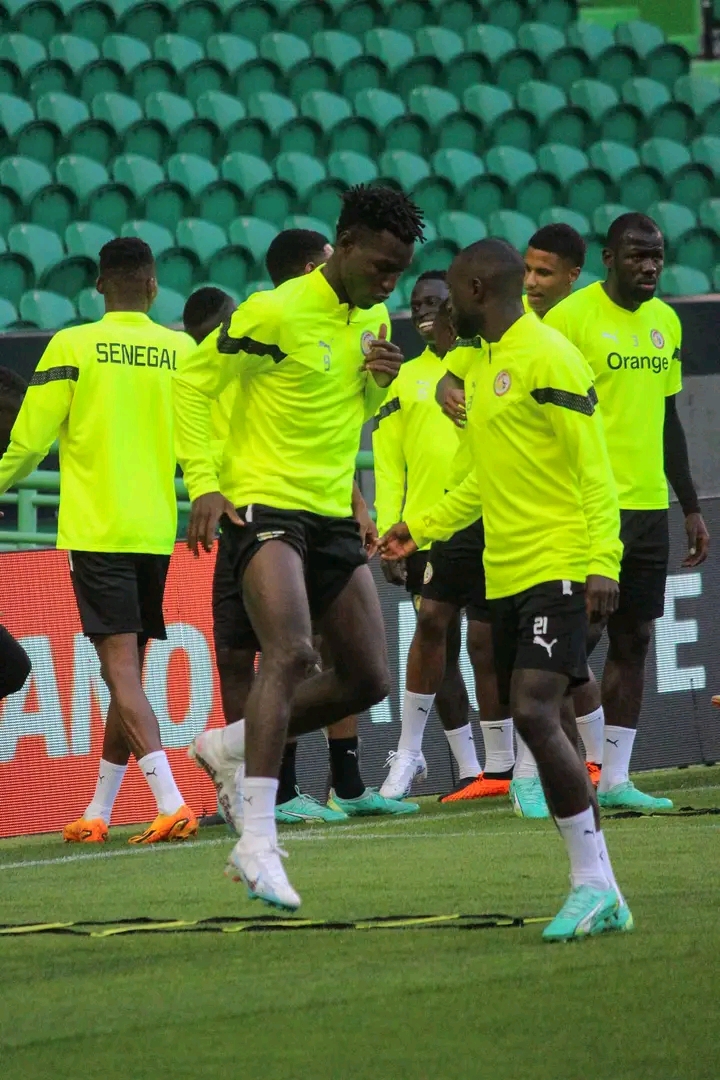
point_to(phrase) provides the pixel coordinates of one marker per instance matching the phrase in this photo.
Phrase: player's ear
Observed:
(152, 290)
(100, 286)
(574, 274)
(608, 258)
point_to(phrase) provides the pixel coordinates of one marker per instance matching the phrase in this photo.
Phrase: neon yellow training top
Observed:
(635, 356)
(105, 390)
(542, 475)
(460, 361)
(296, 353)
(414, 443)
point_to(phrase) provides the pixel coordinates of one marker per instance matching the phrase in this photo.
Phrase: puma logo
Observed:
(353, 753)
(248, 799)
(153, 772)
(420, 709)
(613, 742)
(537, 640)
(589, 832)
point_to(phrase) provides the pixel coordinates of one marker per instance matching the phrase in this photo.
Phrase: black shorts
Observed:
(120, 594)
(415, 566)
(543, 628)
(455, 573)
(643, 570)
(232, 628)
(331, 548)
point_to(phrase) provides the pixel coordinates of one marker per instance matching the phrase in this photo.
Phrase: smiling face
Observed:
(370, 264)
(427, 298)
(549, 278)
(635, 266)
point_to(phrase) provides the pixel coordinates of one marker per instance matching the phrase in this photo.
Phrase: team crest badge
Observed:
(366, 342)
(427, 576)
(502, 383)
(657, 339)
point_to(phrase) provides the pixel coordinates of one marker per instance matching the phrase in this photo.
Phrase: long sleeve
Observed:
(42, 414)
(390, 464)
(677, 462)
(458, 509)
(204, 375)
(577, 424)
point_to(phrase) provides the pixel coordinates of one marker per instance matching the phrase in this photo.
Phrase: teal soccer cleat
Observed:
(586, 912)
(528, 798)
(627, 797)
(305, 808)
(371, 804)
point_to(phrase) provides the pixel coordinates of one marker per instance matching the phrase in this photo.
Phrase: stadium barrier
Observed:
(51, 731)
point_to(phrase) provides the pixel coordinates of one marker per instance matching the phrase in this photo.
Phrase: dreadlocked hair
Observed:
(379, 209)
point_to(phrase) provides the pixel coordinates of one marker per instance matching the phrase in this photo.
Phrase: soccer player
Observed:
(312, 361)
(105, 390)
(632, 342)
(543, 479)
(292, 253)
(414, 448)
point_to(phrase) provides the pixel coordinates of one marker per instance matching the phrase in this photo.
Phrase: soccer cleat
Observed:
(257, 863)
(371, 804)
(621, 920)
(305, 808)
(593, 772)
(207, 751)
(405, 765)
(627, 797)
(168, 827)
(82, 831)
(477, 788)
(586, 912)
(528, 798)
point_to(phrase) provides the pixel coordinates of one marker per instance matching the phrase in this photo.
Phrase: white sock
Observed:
(258, 799)
(233, 739)
(462, 745)
(607, 865)
(415, 713)
(592, 733)
(110, 777)
(579, 835)
(525, 764)
(156, 770)
(499, 751)
(616, 756)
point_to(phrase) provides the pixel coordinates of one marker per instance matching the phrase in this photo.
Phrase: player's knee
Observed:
(295, 661)
(630, 646)
(370, 684)
(432, 628)
(480, 648)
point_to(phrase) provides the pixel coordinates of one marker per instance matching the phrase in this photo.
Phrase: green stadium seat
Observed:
(230, 266)
(511, 66)
(285, 51)
(585, 278)
(93, 19)
(231, 51)
(706, 153)
(434, 105)
(709, 215)
(683, 281)
(324, 202)
(667, 63)
(636, 186)
(673, 220)
(604, 215)
(90, 305)
(81, 175)
(590, 37)
(336, 48)
(617, 64)
(306, 221)
(38, 19)
(225, 115)
(170, 110)
(357, 17)
(250, 287)
(178, 268)
(405, 15)
(16, 276)
(466, 71)
(555, 118)
(308, 17)
(117, 111)
(123, 55)
(391, 47)
(585, 187)
(300, 171)
(460, 229)
(686, 181)
(700, 248)
(85, 238)
(540, 39)
(137, 173)
(653, 101)
(560, 13)
(146, 20)
(561, 215)
(433, 255)
(75, 52)
(532, 191)
(8, 314)
(41, 247)
(157, 237)
(503, 123)
(612, 119)
(350, 168)
(19, 54)
(701, 97)
(63, 111)
(21, 179)
(191, 172)
(201, 237)
(379, 108)
(168, 307)
(247, 182)
(254, 236)
(439, 42)
(177, 51)
(458, 167)
(614, 158)
(198, 19)
(325, 109)
(640, 36)
(56, 115)
(47, 310)
(151, 76)
(403, 169)
(15, 114)
(594, 97)
(491, 41)
(273, 110)
(250, 18)
(511, 226)
(507, 14)
(457, 15)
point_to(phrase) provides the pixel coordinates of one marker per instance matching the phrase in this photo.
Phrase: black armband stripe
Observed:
(55, 374)
(564, 399)
(232, 345)
(386, 410)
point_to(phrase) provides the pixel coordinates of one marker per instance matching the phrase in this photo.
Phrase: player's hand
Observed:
(205, 513)
(384, 359)
(453, 406)
(395, 572)
(698, 540)
(397, 543)
(368, 530)
(601, 597)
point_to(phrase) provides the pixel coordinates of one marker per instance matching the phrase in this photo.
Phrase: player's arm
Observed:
(44, 410)
(677, 468)
(450, 396)
(458, 509)
(250, 336)
(368, 528)
(390, 471)
(570, 400)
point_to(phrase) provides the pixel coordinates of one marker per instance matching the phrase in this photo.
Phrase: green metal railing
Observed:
(42, 488)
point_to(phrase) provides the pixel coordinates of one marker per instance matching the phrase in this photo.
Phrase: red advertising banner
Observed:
(51, 731)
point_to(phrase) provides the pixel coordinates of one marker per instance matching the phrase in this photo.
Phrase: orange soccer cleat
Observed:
(479, 788)
(83, 831)
(715, 700)
(593, 772)
(168, 827)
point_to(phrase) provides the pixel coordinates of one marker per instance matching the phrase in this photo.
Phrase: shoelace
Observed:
(306, 800)
(400, 756)
(576, 902)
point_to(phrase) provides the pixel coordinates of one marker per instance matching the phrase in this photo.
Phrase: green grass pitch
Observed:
(390, 1004)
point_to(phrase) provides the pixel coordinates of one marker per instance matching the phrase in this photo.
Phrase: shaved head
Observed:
(489, 272)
